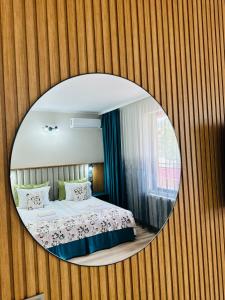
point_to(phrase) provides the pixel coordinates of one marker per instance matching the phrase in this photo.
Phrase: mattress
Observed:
(63, 222)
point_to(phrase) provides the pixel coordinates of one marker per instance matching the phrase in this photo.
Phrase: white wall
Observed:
(35, 147)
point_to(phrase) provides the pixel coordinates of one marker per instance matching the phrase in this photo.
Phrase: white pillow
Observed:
(77, 191)
(35, 200)
(25, 196)
(45, 190)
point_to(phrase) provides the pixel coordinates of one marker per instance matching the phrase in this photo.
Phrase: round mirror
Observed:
(95, 169)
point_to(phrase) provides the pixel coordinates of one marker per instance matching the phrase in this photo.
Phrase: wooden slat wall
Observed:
(175, 49)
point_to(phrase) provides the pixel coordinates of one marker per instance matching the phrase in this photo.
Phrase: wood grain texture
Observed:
(175, 50)
(98, 177)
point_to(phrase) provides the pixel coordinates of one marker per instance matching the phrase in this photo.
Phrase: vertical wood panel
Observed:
(169, 237)
(35, 86)
(54, 70)
(6, 285)
(98, 24)
(95, 288)
(76, 283)
(63, 39)
(81, 33)
(53, 43)
(129, 48)
(194, 136)
(114, 37)
(11, 118)
(72, 37)
(184, 191)
(90, 36)
(175, 50)
(65, 272)
(105, 34)
(206, 93)
(23, 98)
(121, 38)
(221, 66)
(120, 282)
(188, 117)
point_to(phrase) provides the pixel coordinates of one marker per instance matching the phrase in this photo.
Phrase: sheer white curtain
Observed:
(151, 160)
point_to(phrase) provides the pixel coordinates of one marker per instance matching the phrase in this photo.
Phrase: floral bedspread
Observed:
(62, 230)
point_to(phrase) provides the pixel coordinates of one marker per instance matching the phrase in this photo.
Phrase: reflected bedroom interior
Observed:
(95, 169)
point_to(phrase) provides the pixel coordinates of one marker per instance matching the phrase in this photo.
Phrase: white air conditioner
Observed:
(85, 123)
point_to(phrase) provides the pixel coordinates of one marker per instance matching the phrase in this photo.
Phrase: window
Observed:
(166, 157)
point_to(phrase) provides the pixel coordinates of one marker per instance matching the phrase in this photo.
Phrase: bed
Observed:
(70, 229)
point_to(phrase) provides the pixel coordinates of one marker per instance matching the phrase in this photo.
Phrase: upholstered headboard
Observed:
(51, 174)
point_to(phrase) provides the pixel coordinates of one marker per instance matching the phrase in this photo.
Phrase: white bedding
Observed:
(65, 221)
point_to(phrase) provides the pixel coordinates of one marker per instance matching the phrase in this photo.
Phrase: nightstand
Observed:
(101, 195)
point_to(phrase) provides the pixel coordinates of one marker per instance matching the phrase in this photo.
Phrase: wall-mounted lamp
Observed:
(49, 128)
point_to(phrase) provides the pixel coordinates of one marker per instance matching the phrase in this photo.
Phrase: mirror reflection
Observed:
(95, 169)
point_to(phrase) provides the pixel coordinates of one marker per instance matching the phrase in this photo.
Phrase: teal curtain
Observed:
(114, 175)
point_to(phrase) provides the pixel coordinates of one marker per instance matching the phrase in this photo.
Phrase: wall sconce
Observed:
(49, 128)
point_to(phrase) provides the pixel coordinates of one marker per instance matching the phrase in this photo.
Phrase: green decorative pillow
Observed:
(61, 184)
(26, 186)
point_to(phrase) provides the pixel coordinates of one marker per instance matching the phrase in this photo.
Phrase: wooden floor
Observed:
(117, 253)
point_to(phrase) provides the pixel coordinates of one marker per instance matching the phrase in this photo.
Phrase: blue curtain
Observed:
(114, 176)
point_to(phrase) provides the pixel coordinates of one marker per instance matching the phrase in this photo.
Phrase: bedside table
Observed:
(101, 195)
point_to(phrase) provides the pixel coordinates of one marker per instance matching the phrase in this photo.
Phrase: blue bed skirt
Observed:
(94, 243)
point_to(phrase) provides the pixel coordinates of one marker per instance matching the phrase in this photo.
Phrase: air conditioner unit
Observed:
(85, 123)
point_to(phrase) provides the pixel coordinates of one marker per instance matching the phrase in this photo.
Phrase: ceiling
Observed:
(96, 93)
